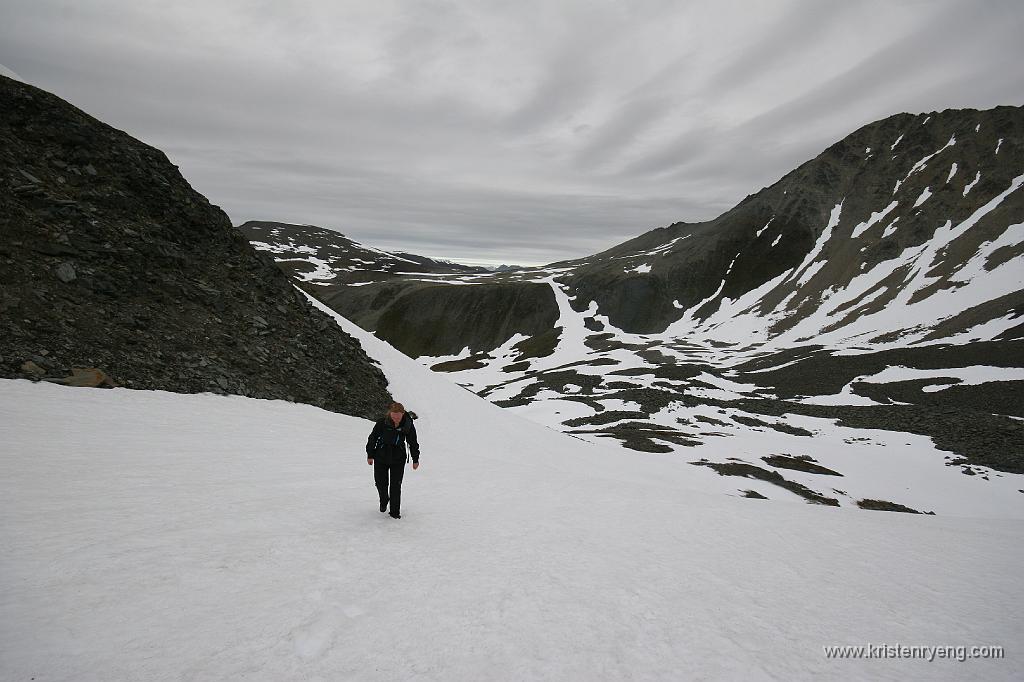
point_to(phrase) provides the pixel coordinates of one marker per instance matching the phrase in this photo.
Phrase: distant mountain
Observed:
(114, 270)
(316, 255)
(880, 284)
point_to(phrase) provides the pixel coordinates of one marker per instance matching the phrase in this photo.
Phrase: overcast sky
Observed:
(521, 132)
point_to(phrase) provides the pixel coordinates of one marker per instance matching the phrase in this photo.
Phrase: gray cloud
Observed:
(782, 42)
(517, 132)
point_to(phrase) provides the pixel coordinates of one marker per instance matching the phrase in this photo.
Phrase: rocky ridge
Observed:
(111, 262)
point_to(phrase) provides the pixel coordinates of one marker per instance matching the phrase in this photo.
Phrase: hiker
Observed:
(385, 451)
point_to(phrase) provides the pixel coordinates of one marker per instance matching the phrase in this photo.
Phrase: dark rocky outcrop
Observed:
(804, 463)
(745, 470)
(440, 319)
(883, 505)
(110, 260)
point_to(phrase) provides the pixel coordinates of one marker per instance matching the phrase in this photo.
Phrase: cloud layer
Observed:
(521, 132)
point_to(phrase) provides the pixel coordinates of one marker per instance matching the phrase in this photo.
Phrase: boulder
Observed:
(29, 367)
(89, 377)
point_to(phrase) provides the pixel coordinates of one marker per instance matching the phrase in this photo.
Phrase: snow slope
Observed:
(150, 535)
(880, 465)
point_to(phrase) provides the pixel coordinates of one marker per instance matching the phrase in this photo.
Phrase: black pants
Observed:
(383, 467)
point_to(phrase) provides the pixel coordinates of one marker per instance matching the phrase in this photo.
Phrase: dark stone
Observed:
(65, 272)
(882, 505)
(802, 463)
(31, 368)
(750, 471)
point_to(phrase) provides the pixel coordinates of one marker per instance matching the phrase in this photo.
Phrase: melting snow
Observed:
(819, 244)
(323, 269)
(973, 182)
(966, 376)
(891, 228)
(875, 218)
(927, 192)
(923, 162)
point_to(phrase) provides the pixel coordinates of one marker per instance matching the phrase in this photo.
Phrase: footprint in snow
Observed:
(313, 639)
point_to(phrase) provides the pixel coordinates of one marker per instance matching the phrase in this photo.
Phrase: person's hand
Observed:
(415, 465)
(369, 460)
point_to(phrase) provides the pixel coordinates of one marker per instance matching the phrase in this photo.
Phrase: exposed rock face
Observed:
(420, 322)
(110, 260)
(431, 319)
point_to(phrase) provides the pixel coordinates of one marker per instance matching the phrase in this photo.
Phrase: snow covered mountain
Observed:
(316, 255)
(879, 284)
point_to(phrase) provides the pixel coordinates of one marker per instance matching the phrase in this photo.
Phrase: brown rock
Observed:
(29, 367)
(90, 377)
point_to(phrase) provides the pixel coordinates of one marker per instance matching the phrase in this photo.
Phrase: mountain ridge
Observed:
(848, 290)
(112, 262)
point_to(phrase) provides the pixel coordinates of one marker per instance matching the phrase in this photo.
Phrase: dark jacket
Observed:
(387, 441)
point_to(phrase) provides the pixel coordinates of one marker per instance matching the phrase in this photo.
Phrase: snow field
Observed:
(150, 535)
(205, 537)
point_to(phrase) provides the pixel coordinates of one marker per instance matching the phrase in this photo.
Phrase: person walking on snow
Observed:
(385, 452)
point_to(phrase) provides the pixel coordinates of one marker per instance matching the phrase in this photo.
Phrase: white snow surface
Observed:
(961, 376)
(972, 183)
(157, 536)
(216, 538)
(859, 229)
